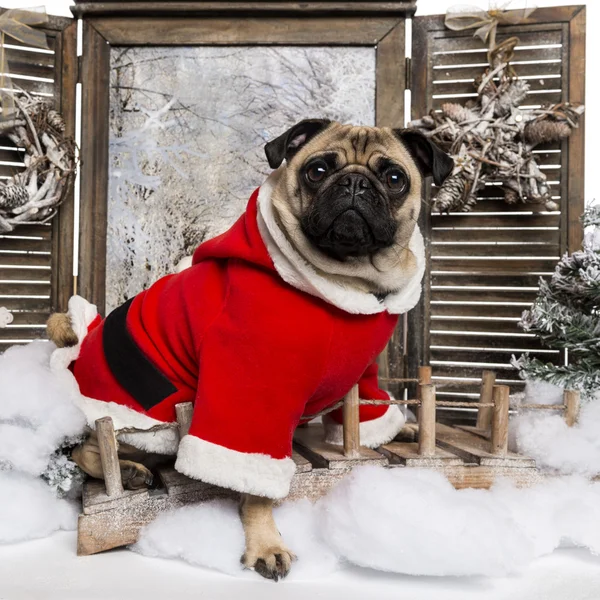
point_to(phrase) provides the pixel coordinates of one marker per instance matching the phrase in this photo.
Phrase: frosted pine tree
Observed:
(566, 315)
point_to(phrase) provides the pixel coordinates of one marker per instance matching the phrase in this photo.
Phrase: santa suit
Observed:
(255, 338)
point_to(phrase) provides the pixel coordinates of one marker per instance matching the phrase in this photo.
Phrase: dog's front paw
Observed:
(272, 562)
(134, 475)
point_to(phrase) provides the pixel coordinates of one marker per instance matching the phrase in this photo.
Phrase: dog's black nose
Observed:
(355, 182)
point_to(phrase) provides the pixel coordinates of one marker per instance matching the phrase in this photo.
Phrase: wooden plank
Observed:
(21, 334)
(474, 373)
(476, 294)
(478, 431)
(309, 443)
(466, 264)
(453, 59)
(25, 289)
(522, 70)
(478, 220)
(25, 260)
(495, 250)
(13, 244)
(244, 9)
(94, 170)
(477, 450)
(63, 224)
(348, 31)
(493, 280)
(33, 230)
(24, 275)
(27, 304)
(468, 42)
(476, 310)
(468, 87)
(472, 326)
(95, 500)
(478, 340)
(30, 318)
(303, 465)
(407, 454)
(576, 142)
(390, 79)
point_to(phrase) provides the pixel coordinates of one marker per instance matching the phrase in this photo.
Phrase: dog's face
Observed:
(355, 191)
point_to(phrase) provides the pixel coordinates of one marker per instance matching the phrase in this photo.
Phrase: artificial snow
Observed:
(37, 415)
(211, 535)
(407, 520)
(29, 509)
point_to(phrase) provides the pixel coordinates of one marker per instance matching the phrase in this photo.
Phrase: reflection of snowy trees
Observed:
(188, 126)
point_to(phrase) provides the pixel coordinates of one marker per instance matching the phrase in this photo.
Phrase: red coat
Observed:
(252, 352)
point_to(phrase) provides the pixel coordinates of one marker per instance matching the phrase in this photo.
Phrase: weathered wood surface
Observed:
(572, 399)
(107, 444)
(407, 453)
(483, 248)
(309, 442)
(351, 423)
(499, 437)
(474, 449)
(427, 412)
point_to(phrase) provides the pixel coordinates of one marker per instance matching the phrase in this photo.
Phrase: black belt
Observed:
(129, 365)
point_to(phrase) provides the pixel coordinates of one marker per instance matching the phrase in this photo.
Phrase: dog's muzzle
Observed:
(351, 218)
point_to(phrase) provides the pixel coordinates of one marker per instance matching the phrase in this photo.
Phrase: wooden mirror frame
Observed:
(380, 25)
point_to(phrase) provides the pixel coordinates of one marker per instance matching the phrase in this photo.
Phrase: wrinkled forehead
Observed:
(359, 145)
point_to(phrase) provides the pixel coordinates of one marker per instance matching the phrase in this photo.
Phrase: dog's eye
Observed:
(396, 180)
(317, 171)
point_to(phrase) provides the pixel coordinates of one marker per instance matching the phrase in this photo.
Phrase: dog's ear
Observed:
(288, 143)
(430, 159)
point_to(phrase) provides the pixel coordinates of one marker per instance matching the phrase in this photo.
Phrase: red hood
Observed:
(242, 240)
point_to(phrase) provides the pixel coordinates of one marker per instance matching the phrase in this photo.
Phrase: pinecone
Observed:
(56, 121)
(511, 98)
(511, 196)
(545, 131)
(13, 196)
(450, 195)
(456, 112)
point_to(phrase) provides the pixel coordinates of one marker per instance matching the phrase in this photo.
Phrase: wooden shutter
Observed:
(484, 265)
(36, 261)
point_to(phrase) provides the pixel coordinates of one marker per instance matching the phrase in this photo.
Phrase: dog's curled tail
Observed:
(60, 331)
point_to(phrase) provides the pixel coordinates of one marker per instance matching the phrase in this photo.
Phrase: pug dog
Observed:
(274, 321)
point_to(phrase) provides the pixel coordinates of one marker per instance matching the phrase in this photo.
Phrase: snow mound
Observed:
(29, 509)
(37, 415)
(413, 521)
(557, 447)
(211, 535)
(408, 521)
(37, 411)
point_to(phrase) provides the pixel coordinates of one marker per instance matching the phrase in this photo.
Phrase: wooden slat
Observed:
(483, 341)
(527, 70)
(529, 265)
(477, 295)
(496, 235)
(474, 220)
(469, 42)
(309, 443)
(7, 334)
(27, 304)
(407, 453)
(474, 373)
(495, 203)
(29, 230)
(459, 59)
(480, 356)
(476, 310)
(50, 40)
(483, 326)
(24, 275)
(29, 318)
(19, 58)
(24, 245)
(25, 260)
(519, 280)
(25, 289)
(477, 450)
(468, 87)
(35, 87)
(490, 249)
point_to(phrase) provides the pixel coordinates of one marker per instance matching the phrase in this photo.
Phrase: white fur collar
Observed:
(296, 271)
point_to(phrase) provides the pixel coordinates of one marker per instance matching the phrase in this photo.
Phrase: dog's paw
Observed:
(134, 475)
(273, 562)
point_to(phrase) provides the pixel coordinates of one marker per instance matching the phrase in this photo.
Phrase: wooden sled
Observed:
(467, 456)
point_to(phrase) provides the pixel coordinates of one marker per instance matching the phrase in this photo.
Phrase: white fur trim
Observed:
(81, 313)
(257, 474)
(296, 271)
(373, 433)
(163, 441)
